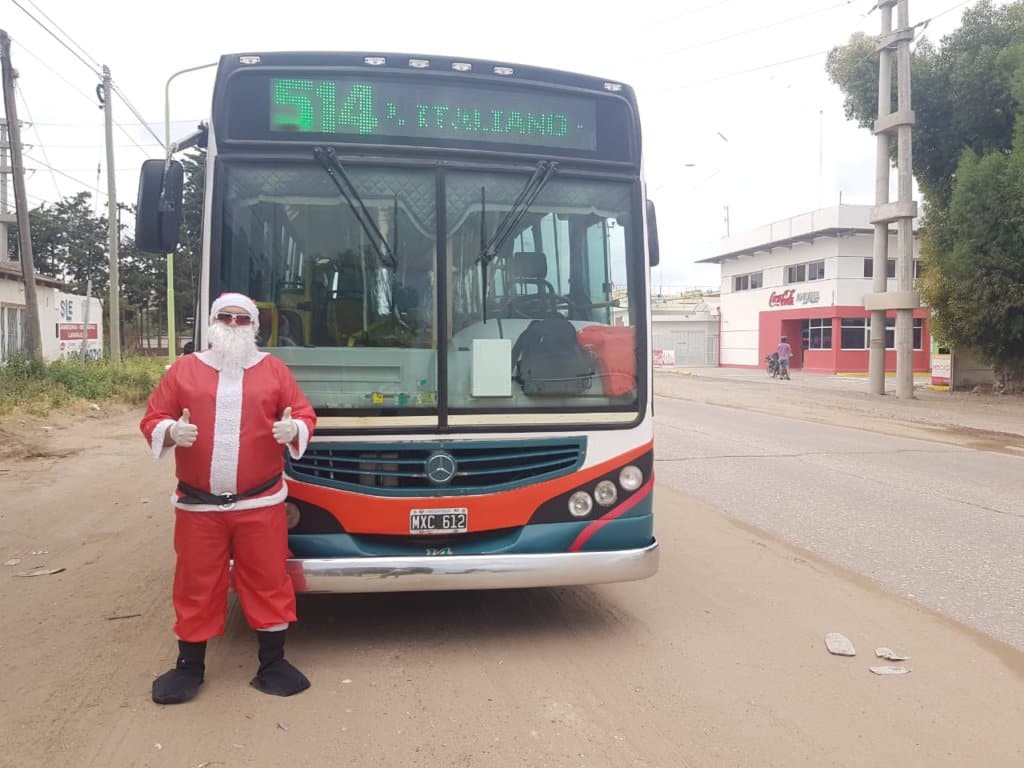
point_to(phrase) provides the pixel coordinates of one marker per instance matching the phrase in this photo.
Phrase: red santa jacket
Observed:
(235, 450)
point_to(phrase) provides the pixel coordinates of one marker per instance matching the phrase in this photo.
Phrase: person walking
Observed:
(785, 352)
(228, 412)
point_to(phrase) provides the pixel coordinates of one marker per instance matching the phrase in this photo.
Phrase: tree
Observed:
(968, 94)
(189, 254)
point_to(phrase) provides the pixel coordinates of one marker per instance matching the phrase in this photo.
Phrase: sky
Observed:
(741, 125)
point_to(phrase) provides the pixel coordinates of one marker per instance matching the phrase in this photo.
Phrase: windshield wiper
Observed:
(527, 195)
(330, 163)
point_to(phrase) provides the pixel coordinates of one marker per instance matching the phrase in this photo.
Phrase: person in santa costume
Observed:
(227, 411)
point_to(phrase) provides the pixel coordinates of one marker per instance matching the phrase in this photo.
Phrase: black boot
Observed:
(275, 675)
(182, 683)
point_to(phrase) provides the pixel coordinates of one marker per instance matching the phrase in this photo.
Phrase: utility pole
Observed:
(34, 342)
(6, 217)
(904, 300)
(115, 283)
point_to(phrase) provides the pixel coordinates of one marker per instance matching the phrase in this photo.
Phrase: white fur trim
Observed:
(302, 437)
(227, 429)
(236, 300)
(207, 357)
(275, 628)
(157, 439)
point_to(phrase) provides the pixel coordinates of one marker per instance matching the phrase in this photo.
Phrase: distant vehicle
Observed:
(774, 367)
(453, 258)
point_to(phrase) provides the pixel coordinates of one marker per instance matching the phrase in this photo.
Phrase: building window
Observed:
(853, 333)
(817, 333)
(799, 273)
(747, 282)
(12, 332)
(890, 333)
(890, 268)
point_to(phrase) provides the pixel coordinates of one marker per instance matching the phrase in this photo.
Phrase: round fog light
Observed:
(631, 478)
(580, 504)
(292, 514)
(606, 493)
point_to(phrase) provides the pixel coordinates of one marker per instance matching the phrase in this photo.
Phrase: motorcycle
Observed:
(774, 369)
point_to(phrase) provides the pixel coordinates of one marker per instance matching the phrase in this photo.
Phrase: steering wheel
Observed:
(533, 305)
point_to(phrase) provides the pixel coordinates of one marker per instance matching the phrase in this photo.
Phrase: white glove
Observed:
(182, 432)
(286, 430)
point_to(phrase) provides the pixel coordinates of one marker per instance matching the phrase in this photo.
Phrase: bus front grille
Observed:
(437, 468)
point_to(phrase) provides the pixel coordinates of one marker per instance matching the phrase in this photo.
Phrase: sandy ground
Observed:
(717, 661)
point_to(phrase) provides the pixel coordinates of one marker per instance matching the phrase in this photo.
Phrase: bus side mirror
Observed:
(652, 235)
(158, 213)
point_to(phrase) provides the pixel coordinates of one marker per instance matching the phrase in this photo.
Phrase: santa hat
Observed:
(236, 300)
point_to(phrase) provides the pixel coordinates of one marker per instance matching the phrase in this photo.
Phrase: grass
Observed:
(39, 388)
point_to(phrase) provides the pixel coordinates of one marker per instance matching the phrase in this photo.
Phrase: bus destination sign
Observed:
(391, 108)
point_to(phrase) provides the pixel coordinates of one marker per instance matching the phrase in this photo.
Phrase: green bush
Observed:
(38, 388)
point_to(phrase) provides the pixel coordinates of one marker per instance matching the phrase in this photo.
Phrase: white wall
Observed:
(60, 314)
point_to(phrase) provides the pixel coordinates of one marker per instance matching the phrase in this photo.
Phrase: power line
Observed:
(43, 14)
(54, 36)
(728, 75)
(28, 112)
(82, 125)
(56, 170)
(91, 98)
(686, 13)
(135, 112)
(752, 30)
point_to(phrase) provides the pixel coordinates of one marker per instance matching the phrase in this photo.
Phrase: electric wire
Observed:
(59, 29)
(54, 36)
(68, 176)
(42, 146)
(91, 98)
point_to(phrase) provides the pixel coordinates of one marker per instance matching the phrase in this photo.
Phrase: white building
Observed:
(805, 278)
(62, 317)
(685, 329)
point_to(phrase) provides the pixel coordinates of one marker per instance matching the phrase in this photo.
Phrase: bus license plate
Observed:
(438, 521)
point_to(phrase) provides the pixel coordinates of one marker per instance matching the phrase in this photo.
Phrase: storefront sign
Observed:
(665, 357)
(76, 331)
(790, 297)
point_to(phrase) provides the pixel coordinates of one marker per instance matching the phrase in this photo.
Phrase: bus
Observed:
(453, 258)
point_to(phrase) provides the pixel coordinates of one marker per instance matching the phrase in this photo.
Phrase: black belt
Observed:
(196, 496)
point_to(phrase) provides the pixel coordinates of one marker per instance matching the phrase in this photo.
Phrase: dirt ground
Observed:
(717, 661)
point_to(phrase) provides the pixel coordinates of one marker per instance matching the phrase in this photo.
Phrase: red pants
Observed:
(257, 539)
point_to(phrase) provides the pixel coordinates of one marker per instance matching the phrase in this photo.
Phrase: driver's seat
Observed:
(529, 269)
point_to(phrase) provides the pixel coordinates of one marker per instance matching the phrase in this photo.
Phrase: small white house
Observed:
(66, 320)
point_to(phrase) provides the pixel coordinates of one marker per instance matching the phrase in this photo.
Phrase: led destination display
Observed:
(389, 108)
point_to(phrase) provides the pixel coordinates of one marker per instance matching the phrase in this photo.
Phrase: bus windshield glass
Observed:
(434, 328)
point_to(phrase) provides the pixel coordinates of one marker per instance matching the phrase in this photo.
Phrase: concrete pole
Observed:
(880, 255)
(899, 123)
(905, 230)
(115, 281)
(5, 169)
(34, 340)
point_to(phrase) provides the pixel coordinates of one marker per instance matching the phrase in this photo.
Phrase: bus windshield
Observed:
(432, 327)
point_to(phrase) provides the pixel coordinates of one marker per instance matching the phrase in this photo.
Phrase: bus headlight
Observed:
(606, 493)
(580, 504)
(631, 478)
(292, 514)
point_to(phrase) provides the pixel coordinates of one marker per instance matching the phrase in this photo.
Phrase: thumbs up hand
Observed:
(182, 432)
(285, 430)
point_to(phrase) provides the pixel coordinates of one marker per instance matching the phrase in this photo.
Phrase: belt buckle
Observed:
(228, 501)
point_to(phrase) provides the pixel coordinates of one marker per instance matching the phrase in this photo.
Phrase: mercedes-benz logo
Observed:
(440, 467)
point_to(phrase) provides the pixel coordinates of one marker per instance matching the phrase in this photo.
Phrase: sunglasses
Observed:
(227, 317)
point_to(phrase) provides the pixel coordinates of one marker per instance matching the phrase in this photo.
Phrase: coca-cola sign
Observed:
(789, 297)
(784, 299)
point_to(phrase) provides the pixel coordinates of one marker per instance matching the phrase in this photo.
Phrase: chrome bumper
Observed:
(412, 574)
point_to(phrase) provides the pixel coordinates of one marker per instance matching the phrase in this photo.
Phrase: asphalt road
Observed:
(940, 524)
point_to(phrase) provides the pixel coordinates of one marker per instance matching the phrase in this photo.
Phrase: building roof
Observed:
(11, 270)
(805, 228)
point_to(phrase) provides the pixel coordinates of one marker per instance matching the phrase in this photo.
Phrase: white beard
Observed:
(231, 347)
